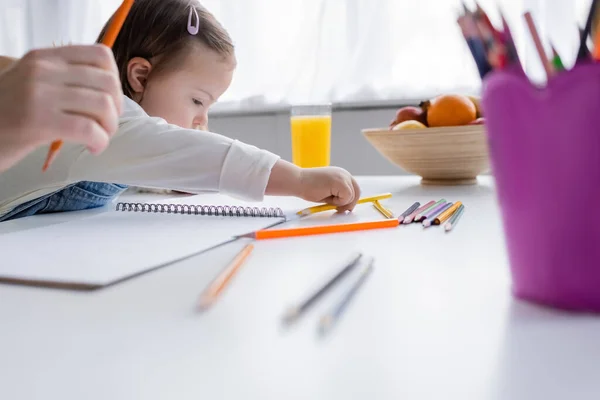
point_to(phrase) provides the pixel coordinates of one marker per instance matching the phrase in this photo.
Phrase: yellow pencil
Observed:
(329, 207)
(384, 211)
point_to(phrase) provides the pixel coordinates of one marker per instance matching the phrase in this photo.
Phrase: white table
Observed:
(436, 320)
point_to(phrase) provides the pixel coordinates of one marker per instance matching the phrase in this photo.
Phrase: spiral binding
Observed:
(218, 211)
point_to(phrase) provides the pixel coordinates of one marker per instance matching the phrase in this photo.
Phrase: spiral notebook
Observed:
(104, 249)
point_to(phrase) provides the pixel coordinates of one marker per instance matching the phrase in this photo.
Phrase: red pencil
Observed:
(538, 44)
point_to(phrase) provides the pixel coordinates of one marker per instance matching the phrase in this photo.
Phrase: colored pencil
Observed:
(293, 313)
(596, 52)
(583, 47)
(329, 207)
(557, 63)
(421, 216)
(434, 214)
(409, 211)
(212, 292)
(586, 51)
(474, 42)
(321, 229)
(455, 218)
(109, 40)
(443, 217)
(510, 43)
(384, 211)
(538, 44)
(328, 320)
(496, 50)
(410, 218)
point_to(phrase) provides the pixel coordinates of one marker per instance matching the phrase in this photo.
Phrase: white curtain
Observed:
(323, 50)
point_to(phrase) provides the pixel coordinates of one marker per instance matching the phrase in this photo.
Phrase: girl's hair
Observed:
(157, 30)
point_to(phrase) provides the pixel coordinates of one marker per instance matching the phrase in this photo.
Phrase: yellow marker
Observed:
(443, 217)
(384, 211)
(329, 207)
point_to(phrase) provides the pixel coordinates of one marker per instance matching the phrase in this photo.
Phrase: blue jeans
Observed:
(78, 196)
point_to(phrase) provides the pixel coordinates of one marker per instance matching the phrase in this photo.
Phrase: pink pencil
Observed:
(409, 219)
(538, 44)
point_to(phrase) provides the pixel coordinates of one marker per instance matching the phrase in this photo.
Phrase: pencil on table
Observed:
(428, 221)
(455, 218)
(443, 217)
(408, 212)
(421, 216)
(329, 207)
(108, 40)
(321, 229)
(411, 217)
(384, 211)
(212, 292)
(328, 320)
(537, 41)
(293, 313)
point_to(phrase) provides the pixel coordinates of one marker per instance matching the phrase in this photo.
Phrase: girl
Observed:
(175, 61)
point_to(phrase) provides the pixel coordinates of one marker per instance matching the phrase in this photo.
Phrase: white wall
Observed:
(349, 149)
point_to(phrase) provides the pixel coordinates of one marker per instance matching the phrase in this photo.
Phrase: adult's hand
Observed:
(71, 93)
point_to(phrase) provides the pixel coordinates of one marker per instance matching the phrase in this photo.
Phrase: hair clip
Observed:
(193, 30)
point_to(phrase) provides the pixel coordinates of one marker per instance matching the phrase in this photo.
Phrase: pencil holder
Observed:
(545, 155)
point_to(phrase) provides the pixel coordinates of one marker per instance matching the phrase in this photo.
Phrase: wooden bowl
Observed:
(441, 156)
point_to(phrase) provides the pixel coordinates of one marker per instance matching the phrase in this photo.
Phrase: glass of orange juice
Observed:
(311, 135)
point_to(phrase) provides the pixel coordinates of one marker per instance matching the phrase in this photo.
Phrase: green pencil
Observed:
(557, 61)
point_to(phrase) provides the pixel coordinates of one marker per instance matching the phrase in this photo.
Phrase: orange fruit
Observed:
(450, 110)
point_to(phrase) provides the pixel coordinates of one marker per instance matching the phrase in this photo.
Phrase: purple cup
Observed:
(545, 156)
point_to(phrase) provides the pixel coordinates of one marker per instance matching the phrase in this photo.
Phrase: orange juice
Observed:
(311, 140)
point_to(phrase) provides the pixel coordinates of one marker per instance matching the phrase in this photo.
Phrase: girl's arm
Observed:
(6, 62)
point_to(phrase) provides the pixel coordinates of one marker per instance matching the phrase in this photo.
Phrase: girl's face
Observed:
(183, 95)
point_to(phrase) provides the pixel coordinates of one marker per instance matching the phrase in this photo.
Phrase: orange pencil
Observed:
(108, 40)
(597, 45)
(210, 294)
(322, 229)
(443, 217)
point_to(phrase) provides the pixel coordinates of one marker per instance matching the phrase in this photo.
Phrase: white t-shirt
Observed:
(148, 152)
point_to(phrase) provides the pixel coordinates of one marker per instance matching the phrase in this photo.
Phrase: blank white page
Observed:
(103, 249)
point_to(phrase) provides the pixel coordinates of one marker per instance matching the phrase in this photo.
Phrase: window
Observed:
(316, 50)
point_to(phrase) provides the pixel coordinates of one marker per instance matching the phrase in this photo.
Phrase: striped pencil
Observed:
(408, 212)
(421, 216)
(411, 217)
(443, 217)
(455, 218)
(434, 214)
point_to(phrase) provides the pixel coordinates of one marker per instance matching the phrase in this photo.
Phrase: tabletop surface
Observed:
(435, 320)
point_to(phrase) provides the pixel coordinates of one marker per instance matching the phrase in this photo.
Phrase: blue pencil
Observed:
(455, 218)
(328, 320)
(433, 215)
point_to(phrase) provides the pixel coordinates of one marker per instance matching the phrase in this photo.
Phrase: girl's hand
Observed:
(329, 185)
